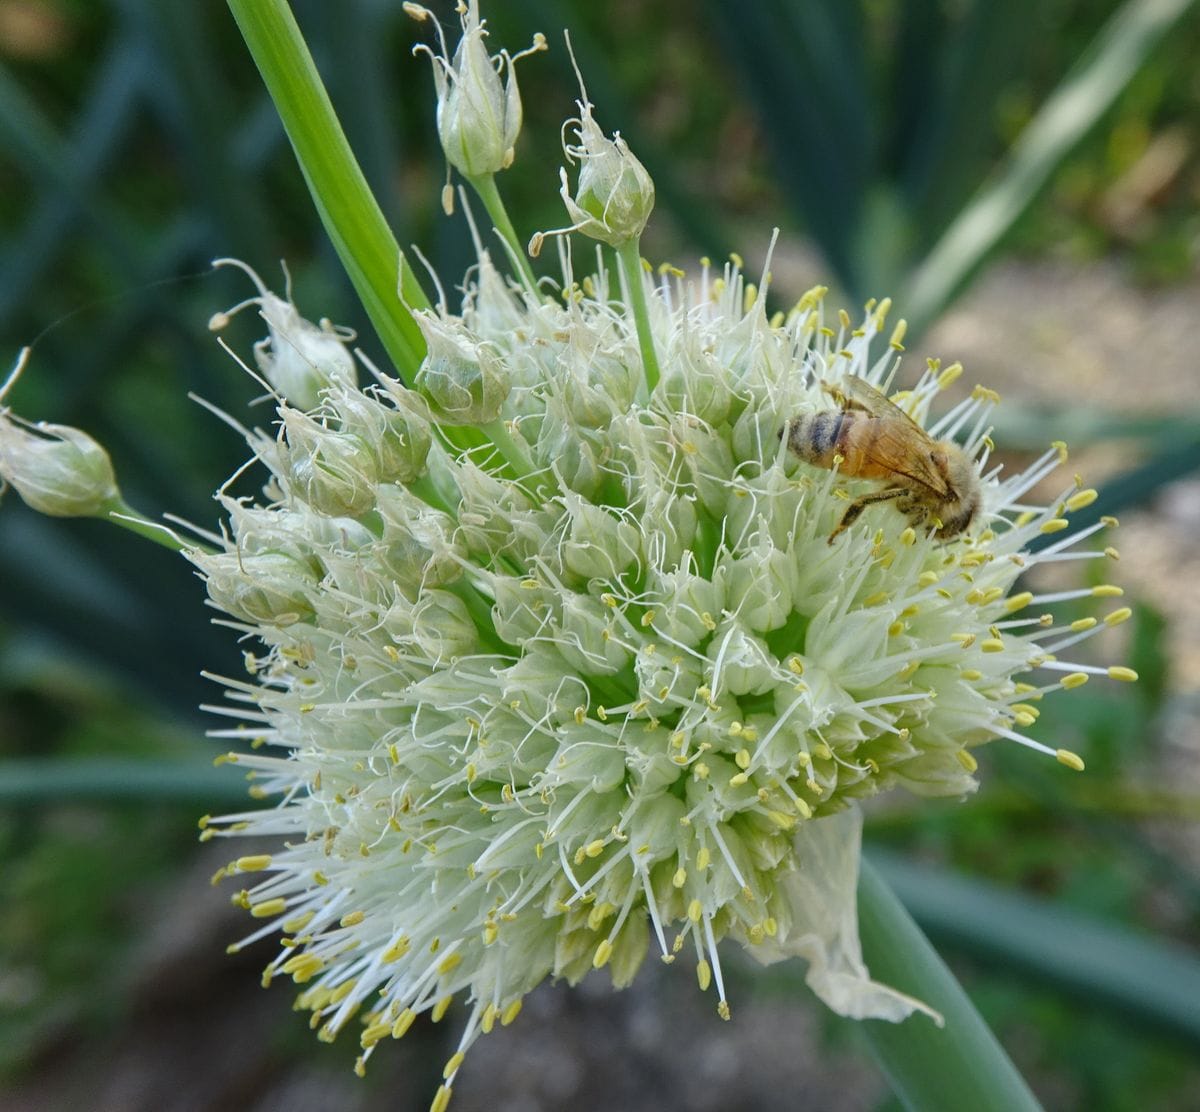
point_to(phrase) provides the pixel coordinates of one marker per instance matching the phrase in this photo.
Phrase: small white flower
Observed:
(298, 359)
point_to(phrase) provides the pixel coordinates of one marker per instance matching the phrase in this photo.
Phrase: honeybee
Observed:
(932, 482)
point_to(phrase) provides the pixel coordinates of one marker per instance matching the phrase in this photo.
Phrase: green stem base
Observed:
(931, 1069)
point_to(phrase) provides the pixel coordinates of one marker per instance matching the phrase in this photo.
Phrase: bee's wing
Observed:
(860, 394)
(900, 444)
(903, 449)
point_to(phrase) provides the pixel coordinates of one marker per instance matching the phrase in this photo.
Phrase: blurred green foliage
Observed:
(136, 144)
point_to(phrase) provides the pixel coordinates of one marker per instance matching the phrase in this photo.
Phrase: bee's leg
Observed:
(916, 511)
(859, 504)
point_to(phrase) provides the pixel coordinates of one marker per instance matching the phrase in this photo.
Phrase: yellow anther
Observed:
(403, 1022)
(441, 1099)
(703, 974)
(302, 967)
(680, 877)
(449, 963)
(966, 760)
(971, 674)
(1019, 602)
(736, 781)
(1118, 616)
(1054, 525)
(896, 343)
(928, 578)
(291, 926)
(703, 857)
(695, 911)
(440, 1009)
(488, 1020)
(352, 919)
(1107, 590)
(452, 1066)
(949, 376)
(1060, 447)
(1120, 672)
(253, 863)
(1080, 499)
(1079, 625)
(511, 1012)
(742, 758)
(992, 645)
(269, 908)
(1075, 679)
(598, 914)
(603, 953)
(896, 628)
(371, 1035)
(1071, 760)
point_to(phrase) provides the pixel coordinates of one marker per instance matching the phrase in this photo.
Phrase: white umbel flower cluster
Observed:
(558, 669)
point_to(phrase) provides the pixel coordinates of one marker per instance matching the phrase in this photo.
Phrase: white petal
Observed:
(823, 894)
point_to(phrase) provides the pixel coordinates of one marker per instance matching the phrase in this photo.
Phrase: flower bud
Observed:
(580, 761)
(442, 626)
(418, 547)
(478, 117)
(615, 195)
(56, 469)
(269, 589)
(748, 662)
(573, 449)
(464, 384)
(331, 471)
(298, 358)
(763, 582)
(599, 545)
(585, 637)
(399, 439)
